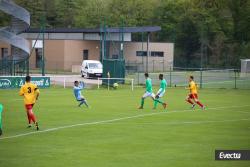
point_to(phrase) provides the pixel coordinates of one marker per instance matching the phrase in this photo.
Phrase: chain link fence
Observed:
(205, 78)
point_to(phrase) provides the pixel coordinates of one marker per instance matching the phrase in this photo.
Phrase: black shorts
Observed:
(81, 99)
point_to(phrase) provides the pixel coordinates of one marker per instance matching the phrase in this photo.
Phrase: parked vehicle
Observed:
(91, 69)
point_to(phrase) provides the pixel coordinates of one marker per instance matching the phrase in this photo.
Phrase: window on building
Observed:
(4, 52)
(115, 56)
(39, 54)
(157, 54)
(152, 53)
(141, 53)
(85, 54)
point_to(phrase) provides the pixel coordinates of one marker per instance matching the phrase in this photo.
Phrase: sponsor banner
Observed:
(232, 154)
(17, 82)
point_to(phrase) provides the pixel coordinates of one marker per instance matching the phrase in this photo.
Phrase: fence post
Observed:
(170, 76)
(108, 83)
(153, 65)
(14, 68)
(132, 86)
(98, 80)
(235, 78)
(200, 77)
(1, 109)
(163, 66)
(64, 82)
(138, 78)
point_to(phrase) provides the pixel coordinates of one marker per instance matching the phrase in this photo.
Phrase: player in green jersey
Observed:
(148, 92)
(161, 92)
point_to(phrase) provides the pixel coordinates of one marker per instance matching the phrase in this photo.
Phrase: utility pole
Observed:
(148, 34)
(43, 55)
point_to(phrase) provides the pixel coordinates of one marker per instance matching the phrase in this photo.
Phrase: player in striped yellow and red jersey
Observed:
(192, 97)
(30, 92)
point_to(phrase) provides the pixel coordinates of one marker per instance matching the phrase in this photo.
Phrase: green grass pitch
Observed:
(114, 133)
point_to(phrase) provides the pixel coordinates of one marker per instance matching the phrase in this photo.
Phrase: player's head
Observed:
(191, 78)
(146, 75)
(161, 76)
(76, 83)
(27, 78)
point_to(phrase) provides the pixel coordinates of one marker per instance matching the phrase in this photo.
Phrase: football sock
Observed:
(28, 116)
(155, 103)
(188, 100)
(142, 102)
(32, 116)
(201, 105)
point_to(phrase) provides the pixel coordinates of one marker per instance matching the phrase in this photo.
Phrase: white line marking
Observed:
(245, 112)
(188, 122)
(113, 120)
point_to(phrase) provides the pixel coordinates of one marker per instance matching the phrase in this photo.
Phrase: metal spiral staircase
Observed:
(18, 62)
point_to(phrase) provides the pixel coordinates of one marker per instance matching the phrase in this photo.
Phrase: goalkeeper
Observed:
(78, 86)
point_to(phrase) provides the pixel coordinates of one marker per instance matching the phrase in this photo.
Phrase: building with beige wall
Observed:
(66, 51)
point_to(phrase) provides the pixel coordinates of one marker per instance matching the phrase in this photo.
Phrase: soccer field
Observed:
(114, 133)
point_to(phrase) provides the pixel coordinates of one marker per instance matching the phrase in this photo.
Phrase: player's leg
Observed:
(32, 115)
(28, 116)
(83, 101)
(146, 94)
(142, 103)
(29, 119)
(197, 101)
(158, 100)
(189, 100)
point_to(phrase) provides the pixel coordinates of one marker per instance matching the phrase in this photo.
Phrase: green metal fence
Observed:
(113, 69)
(14, 67)
(205, 78)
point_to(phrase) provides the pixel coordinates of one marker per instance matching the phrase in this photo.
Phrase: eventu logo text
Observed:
(223, 155)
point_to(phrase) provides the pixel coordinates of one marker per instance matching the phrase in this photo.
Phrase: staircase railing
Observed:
(17, 63)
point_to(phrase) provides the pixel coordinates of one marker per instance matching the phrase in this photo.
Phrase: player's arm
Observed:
(37, 92)
(21, 92)
(81, 86)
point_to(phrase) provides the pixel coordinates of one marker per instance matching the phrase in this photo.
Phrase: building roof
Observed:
(96, 30)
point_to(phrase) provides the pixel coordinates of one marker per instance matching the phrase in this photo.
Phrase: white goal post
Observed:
(110, 79)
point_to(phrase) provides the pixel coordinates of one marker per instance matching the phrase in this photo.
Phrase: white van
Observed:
(91, 68)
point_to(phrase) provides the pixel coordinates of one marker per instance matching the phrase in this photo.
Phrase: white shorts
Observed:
(148, 94)
(161, 94)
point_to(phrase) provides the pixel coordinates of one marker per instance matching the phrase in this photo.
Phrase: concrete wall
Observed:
(74, 52)
(66, 54)
(54, 55)
(154, 63)
(63, 54)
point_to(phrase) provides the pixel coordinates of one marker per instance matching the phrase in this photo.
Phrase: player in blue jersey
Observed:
(78, 86)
